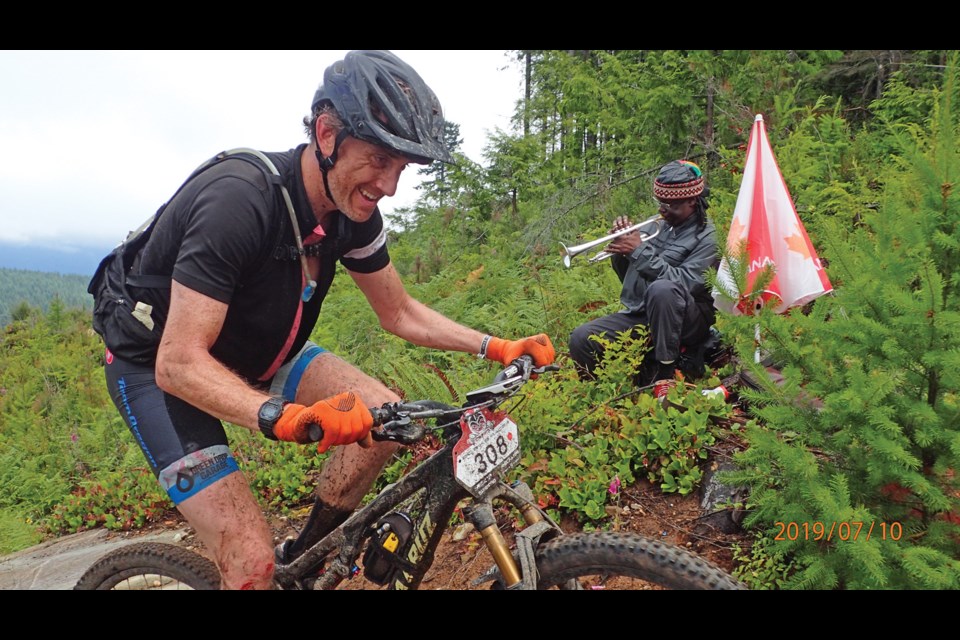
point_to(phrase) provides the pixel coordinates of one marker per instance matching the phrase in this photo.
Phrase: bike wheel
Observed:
(622, 560)
(150, 566)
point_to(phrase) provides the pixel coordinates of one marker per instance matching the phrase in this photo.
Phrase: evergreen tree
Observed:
(883, 357)
(436, 185)
(21, 312)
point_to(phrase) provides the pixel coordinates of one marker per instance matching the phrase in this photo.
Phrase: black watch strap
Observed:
(270, 412)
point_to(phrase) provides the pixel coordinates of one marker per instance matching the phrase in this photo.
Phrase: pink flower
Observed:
(614, 487)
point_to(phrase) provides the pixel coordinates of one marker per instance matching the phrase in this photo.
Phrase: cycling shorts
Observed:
(186, 448)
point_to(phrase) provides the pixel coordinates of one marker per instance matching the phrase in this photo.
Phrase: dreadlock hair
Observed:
(701, 208)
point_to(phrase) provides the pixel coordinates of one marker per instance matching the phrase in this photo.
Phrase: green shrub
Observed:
(17, 532)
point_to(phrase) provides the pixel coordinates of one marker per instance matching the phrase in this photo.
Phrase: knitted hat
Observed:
(678, 180)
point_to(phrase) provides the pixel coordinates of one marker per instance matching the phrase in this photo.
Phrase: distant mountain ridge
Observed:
(67, 259)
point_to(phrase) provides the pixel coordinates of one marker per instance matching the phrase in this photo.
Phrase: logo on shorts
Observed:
(184, 482)
(196, 471)
(108, 355)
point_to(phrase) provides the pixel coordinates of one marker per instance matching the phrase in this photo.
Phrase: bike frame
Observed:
(481, 445)
(441, 495)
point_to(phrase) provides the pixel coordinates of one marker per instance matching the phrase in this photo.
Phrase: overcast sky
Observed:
(94, 141)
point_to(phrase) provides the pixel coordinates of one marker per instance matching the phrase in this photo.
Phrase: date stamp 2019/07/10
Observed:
(843, 531)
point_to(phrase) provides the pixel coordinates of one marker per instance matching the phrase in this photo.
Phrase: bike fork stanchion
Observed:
(523, 498)
(481, 515)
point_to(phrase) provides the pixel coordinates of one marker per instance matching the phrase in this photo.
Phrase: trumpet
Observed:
(572, 252)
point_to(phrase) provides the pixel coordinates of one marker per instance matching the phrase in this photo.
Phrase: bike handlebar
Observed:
(396, 419)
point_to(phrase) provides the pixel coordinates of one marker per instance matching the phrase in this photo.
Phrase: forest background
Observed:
(866, 142)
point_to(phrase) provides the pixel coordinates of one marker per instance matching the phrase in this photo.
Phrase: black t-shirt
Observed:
(227, 234)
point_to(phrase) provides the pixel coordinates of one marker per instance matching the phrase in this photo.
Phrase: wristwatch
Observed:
(270, 412)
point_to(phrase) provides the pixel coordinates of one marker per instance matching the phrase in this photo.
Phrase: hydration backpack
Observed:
(125, 323)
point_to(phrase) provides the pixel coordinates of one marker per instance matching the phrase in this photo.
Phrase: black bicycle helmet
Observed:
(382, 100)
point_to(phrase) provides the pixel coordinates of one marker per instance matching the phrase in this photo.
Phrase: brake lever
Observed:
(402, 430)
(502, 388)
(524, 365)
(545, 368)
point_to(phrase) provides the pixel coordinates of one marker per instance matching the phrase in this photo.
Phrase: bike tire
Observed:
(595, 560)
(150, 566)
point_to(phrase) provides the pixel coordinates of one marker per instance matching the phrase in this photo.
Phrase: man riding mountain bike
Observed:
(245, 286)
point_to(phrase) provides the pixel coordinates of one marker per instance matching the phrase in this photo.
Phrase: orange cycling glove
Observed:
(343, 418)
(506, 351)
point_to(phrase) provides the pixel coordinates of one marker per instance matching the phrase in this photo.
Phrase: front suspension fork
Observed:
(516, 573)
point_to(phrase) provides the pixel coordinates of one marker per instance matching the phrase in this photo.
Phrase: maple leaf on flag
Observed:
(737, 233)
(795, 243)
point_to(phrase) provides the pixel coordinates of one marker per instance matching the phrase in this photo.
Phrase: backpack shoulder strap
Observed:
(137, 238)
(275, 178)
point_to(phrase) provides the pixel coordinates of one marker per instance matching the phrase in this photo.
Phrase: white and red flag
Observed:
(766, 219)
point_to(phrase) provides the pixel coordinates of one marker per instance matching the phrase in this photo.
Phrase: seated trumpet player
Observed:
(663, 278)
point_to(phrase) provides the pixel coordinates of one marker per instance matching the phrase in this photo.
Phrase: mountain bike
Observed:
(398, 531)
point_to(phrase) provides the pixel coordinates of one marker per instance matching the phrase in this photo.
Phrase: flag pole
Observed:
(756, 342)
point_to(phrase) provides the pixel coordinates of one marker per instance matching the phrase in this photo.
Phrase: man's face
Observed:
(363, 174)
(676, 212)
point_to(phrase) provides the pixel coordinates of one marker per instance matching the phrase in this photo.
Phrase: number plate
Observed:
(488, 448)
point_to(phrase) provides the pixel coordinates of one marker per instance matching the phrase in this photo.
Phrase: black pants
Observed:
(671, 314)
(186, 448)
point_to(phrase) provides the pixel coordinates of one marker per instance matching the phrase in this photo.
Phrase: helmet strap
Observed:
(327, 162)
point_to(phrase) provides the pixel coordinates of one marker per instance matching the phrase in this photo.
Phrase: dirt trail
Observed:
(57, 564)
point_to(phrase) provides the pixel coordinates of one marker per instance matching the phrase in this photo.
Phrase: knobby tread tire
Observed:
(627, 554)
(150, 558)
